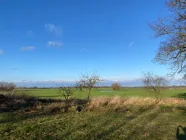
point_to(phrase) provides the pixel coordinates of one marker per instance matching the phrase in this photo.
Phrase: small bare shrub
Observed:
(154, 83)
(67, 92)
(7, 87)
(53, 108)
(89, 81)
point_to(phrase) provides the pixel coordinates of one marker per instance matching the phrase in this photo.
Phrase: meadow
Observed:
(123, 92)
(131, 113)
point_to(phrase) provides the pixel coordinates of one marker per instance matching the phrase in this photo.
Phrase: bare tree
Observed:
(7, 87)
(89, 81)
(79, 86)
(116, 86)
(154, 83)
(172, 31)
(66, 91)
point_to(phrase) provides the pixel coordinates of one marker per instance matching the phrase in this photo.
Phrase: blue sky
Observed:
(44, 40)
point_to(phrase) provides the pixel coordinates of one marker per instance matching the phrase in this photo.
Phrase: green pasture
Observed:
(124, 92)
(149, 123)
(129, 122)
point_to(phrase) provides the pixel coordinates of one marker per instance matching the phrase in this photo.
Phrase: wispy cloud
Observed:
(14, 69)
(53, 29)
(131, 44)
(55, 44)
(29, 33)
(1, 52)
(28, 48)
(83, 49)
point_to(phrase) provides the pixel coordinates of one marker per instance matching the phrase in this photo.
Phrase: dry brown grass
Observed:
(118, 101)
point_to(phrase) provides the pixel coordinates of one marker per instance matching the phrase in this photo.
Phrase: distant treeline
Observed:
(35, 87)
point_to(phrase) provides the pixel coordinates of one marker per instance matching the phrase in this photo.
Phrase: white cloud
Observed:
(28, 48)
(1, 52)
(54, 44)
(53, 29)
(131, 44)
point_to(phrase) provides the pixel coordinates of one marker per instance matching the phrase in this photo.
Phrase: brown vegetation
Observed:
(127, 102)
(116, 86)
(5, 86)
(25, 103)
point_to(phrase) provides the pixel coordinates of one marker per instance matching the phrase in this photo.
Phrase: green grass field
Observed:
(142, 121)
(141, 92)
(132, 116)
(150, 125)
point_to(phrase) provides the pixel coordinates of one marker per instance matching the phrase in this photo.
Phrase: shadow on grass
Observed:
(13, 117)
(11, 103)
(103, 123)
(181, 133)
(49, 96)
(180, 95)
(93, 124)
(21, 115)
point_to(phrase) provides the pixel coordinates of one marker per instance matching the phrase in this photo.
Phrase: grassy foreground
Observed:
(102, 118)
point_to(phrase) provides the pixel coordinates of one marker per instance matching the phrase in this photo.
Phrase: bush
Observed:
(4, 86)
(116, 86)
(53, 108)
(66, 92)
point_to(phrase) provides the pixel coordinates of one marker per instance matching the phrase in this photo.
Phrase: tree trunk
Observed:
(89, 91)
